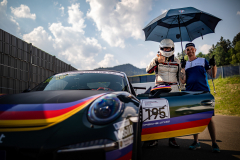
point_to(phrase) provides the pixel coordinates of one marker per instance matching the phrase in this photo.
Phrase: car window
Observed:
(98, 84)
(58, 85)
(84, 81)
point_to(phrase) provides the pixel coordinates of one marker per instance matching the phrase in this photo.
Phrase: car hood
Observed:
(42, 109)
(40, 97)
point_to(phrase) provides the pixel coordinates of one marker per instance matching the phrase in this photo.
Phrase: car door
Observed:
(175, 114)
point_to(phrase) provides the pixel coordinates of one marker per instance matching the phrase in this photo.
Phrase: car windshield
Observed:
(99, 80)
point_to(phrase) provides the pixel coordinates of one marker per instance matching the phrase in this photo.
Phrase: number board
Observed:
(155, 109)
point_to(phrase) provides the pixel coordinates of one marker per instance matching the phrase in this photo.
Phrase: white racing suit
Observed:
(167, 72)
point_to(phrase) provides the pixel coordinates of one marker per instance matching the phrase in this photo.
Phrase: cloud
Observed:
(238, 12)
(75, 18)
(55, 3)
(72, 1)
(8, 23)
(143, 64)
(119, 20)
(40, 38)
(4, 3)
(68, 42)
(205, 48)
(62, 10)
(147, 59)
(108, 61)
(23, 12)
(151, 54)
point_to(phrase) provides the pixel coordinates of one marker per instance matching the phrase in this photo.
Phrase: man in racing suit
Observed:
(166, 67)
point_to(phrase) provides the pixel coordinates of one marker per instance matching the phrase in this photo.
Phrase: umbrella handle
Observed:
(180, 35)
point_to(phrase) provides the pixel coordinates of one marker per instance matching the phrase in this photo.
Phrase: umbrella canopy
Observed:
(182, 24)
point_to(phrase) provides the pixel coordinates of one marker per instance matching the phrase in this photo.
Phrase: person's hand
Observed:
(161, 59)
(183, 63)
(212, 61)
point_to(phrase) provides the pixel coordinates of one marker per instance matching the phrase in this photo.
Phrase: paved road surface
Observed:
(228, 139)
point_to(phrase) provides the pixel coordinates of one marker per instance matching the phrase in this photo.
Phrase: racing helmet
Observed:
(166, 43)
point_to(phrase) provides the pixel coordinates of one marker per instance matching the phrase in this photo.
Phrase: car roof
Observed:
(92, 71)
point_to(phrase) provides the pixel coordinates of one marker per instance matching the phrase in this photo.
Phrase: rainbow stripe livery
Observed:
(176, 126)
(30, 117)
(120, 154)
(161, 87)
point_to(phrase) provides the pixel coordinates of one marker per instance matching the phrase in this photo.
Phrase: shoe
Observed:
(215, 148)
(172, 143)
(153, 143)
(195, 145)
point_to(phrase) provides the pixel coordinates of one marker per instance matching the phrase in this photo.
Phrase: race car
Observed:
(94, 115)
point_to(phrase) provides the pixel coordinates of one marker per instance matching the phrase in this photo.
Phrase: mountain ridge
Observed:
(129, 69)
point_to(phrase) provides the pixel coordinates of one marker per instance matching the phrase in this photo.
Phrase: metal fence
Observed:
(142, 79)
(227, 71)
(23, 66)
(223, 71)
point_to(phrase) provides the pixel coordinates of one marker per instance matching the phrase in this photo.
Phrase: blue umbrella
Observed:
(181, 24)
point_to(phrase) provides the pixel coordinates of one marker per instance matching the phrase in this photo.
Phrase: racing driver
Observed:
(166, 67)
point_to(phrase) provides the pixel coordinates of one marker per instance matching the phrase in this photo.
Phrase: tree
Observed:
(231, 52)
(236, 39)
(220, 56)
(179, 55)
(238, 57)
(186, 57)
(210, 51)
(235, 53)
(226, 44)
(237, 49)
(234, 59)
(222, 51)
(237, 46)
(207, 57)
(200, 54)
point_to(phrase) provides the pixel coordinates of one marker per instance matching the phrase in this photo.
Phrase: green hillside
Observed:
(227, 97)
(129, 69)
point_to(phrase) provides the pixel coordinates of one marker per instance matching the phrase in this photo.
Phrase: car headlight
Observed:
(105, 109)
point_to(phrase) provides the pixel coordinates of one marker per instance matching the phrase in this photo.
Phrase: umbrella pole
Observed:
(180, 36)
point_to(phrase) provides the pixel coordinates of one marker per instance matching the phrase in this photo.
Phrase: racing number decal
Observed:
(155, 112)
(155, 109)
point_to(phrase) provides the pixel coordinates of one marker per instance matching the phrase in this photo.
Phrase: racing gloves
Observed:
(212, 61)
(183, 63)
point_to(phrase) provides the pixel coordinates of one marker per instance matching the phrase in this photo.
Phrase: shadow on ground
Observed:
(163, 151)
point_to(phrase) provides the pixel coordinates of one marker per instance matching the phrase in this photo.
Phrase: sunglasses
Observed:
(190, 49)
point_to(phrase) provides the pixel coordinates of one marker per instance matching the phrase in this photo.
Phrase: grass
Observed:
(227, 96)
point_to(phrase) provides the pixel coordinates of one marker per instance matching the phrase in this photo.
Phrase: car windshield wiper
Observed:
(84, 89)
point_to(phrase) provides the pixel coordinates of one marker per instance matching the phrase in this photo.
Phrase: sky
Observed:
(104, 33)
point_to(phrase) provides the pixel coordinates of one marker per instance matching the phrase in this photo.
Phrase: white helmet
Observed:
(166, 43)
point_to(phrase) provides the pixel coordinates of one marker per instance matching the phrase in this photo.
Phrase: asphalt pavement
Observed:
(228, 140)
